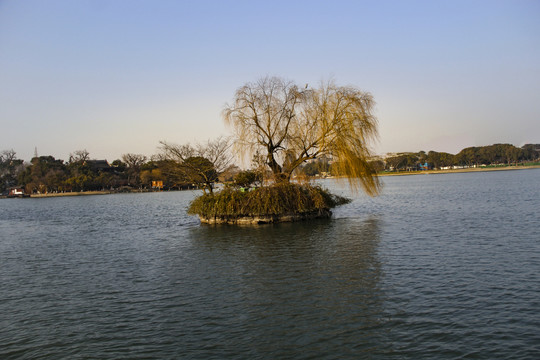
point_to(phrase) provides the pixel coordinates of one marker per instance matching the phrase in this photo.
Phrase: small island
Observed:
(282, 126)
(267, 204)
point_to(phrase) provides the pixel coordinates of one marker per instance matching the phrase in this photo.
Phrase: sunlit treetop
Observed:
(289, 125)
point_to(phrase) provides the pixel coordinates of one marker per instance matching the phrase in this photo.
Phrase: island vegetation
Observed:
(282, 126)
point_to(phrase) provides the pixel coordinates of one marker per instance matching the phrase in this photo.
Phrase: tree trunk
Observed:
(274, 166)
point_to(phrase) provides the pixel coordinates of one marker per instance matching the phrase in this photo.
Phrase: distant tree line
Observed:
(198, 167)
(491, 155)
(203, 165)
(497, 154)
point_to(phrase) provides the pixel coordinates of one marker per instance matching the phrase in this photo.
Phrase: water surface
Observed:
(438, 266)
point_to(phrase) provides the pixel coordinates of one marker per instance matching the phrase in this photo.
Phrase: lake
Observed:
(437, 267)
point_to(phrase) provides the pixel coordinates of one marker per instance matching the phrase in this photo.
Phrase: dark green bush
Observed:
(247, 178)
(269, 200)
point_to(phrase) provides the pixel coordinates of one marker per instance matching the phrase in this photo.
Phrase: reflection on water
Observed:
(315, 285)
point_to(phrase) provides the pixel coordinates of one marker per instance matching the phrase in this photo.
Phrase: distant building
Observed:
(424, 166)
(98, 165)
(17, 192)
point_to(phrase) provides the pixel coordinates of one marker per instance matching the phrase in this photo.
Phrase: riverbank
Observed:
(451, 171)
(84, 193)
(74, 193)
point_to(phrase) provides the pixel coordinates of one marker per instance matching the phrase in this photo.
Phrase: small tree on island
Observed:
(201, 164)
(247, 178)
(290, 125)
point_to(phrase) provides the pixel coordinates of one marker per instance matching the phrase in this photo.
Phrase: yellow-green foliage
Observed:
(278, 199)
(289, 125)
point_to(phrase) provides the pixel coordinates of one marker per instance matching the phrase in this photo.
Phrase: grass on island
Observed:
(279, 199)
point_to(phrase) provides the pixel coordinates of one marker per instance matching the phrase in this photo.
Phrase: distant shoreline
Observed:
(401, 173)
(74, 193)
(451, 171)
(88, 193)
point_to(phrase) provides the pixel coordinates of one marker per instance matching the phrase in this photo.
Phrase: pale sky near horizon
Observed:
(116, 77)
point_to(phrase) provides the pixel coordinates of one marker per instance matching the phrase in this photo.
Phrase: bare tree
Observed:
(292, 125)
(200, 164)
(133, 160)
(7, 156)
(262, 114)
(134, 163)
(79, 156)
(10, 167)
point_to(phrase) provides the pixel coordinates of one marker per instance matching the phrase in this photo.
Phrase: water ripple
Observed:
(439, 267)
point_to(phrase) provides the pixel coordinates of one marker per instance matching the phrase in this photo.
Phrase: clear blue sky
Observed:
(118, 76)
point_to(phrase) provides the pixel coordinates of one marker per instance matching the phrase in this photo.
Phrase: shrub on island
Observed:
(269, 204)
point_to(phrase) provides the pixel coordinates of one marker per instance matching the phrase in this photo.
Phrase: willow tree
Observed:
(291, 125)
